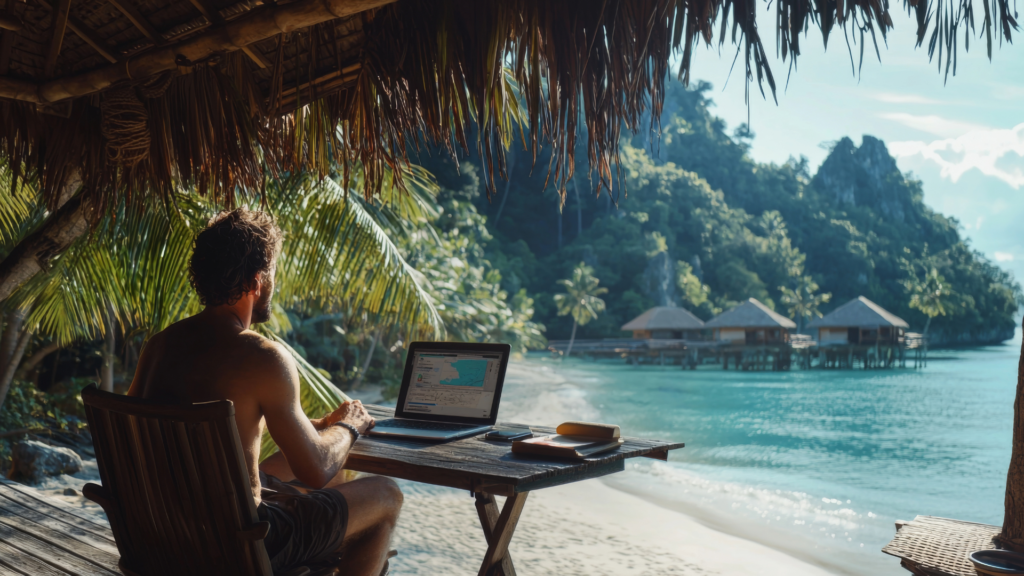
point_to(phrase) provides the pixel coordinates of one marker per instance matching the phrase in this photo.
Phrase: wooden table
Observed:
(487, 468)
(933, 546)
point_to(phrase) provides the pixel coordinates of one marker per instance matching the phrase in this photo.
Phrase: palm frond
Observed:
(337, 253)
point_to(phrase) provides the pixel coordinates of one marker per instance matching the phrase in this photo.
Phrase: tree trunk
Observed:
(37, 357)
(369, 356)
(12, 365)
(508, 184)
(559, 208)
(34, 252)
(109, 354)
(924, 336)
(1012, 536)
(579, 208)
(12, 333)
(571, 339)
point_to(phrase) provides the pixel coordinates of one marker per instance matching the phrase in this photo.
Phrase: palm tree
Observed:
(131, 271)
(803, 301)
(580, 299)
(931, 295)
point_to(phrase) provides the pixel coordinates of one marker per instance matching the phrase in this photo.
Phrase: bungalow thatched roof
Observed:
(750, 314)
(859, 313)
(665, 318)
(139, 96)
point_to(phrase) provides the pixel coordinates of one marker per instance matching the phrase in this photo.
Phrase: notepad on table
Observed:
(573, 440)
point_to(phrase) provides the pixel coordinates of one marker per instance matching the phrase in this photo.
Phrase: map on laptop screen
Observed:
(452, 383)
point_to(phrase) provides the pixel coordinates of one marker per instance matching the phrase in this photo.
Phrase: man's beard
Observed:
(261, 309)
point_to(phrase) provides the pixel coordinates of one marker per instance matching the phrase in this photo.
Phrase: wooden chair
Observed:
(175, 488)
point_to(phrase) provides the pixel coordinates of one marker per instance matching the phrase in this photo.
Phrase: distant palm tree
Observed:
(803, 301)
(932, 295)
(580, 299)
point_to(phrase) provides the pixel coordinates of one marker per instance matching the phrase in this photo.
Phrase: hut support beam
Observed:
(59, 26)
(32, 255)
(86, 34)
(140, 22)
(7, 42)
(258, 25)
(213, 15)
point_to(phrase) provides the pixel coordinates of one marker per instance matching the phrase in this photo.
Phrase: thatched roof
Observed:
(859, 312)
(750, 314)
(139, 96)
(665, 318)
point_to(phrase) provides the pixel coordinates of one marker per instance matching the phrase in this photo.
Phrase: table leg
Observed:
(498, 529)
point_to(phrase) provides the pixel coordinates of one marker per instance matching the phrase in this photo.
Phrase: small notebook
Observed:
(574, 440)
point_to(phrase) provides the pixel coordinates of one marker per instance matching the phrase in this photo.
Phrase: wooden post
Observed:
(1012, 536)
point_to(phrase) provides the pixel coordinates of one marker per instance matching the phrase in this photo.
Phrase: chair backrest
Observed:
(175, 487)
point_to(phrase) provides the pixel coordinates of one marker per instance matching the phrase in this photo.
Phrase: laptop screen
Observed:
(453, 383)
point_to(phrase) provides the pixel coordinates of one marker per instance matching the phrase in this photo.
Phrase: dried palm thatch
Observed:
(139, 96)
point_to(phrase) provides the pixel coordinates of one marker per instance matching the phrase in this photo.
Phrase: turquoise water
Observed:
(817, 463)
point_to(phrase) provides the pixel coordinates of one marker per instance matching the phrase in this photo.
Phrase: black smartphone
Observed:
(508, 435)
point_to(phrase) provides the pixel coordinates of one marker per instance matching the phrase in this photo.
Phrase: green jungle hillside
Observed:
(701, 225)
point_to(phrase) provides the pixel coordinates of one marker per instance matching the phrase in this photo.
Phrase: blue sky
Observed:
(964, 140)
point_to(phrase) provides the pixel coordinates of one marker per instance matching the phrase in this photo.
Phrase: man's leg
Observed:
(373, 506)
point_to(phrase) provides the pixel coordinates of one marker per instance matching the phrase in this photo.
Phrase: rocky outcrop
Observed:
(35, 461)
(864, 176)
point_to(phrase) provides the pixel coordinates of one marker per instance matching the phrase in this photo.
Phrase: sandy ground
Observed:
(587, 528)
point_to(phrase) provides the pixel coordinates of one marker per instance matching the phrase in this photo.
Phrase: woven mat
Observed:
(940, 545)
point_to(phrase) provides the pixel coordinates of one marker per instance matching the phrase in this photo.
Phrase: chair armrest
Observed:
(255, 531)
(99, 495)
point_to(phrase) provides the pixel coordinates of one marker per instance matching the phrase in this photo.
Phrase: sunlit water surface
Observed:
(817, 463)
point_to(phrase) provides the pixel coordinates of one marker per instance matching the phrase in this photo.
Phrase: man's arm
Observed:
(315, 457)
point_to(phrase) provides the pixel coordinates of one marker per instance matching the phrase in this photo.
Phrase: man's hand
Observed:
(352, 412)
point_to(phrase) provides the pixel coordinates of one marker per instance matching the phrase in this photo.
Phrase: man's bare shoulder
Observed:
(264, 355)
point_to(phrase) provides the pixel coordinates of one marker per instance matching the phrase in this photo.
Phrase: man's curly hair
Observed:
(230, 252)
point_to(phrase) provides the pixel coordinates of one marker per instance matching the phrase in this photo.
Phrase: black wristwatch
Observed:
(350, 428)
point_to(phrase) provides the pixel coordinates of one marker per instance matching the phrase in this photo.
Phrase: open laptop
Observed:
(449, 390)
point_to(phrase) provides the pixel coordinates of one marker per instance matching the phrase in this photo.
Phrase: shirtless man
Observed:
(316, 518)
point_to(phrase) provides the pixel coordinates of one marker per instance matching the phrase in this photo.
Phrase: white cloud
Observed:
(1004, 257)
(994, 152)
(894, 98)
(937, 125)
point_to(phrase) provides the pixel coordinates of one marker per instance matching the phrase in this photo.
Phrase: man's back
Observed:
(199, 360)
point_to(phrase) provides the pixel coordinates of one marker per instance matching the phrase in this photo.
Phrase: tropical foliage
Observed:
(735, 228)
(339, 256)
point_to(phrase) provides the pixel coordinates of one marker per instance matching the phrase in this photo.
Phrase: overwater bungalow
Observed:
(861, 322)
(753, 337)
(863, 332)
(665, 323)
(751, 324)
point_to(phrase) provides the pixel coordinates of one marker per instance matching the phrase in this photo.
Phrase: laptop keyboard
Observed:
(420, 425)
